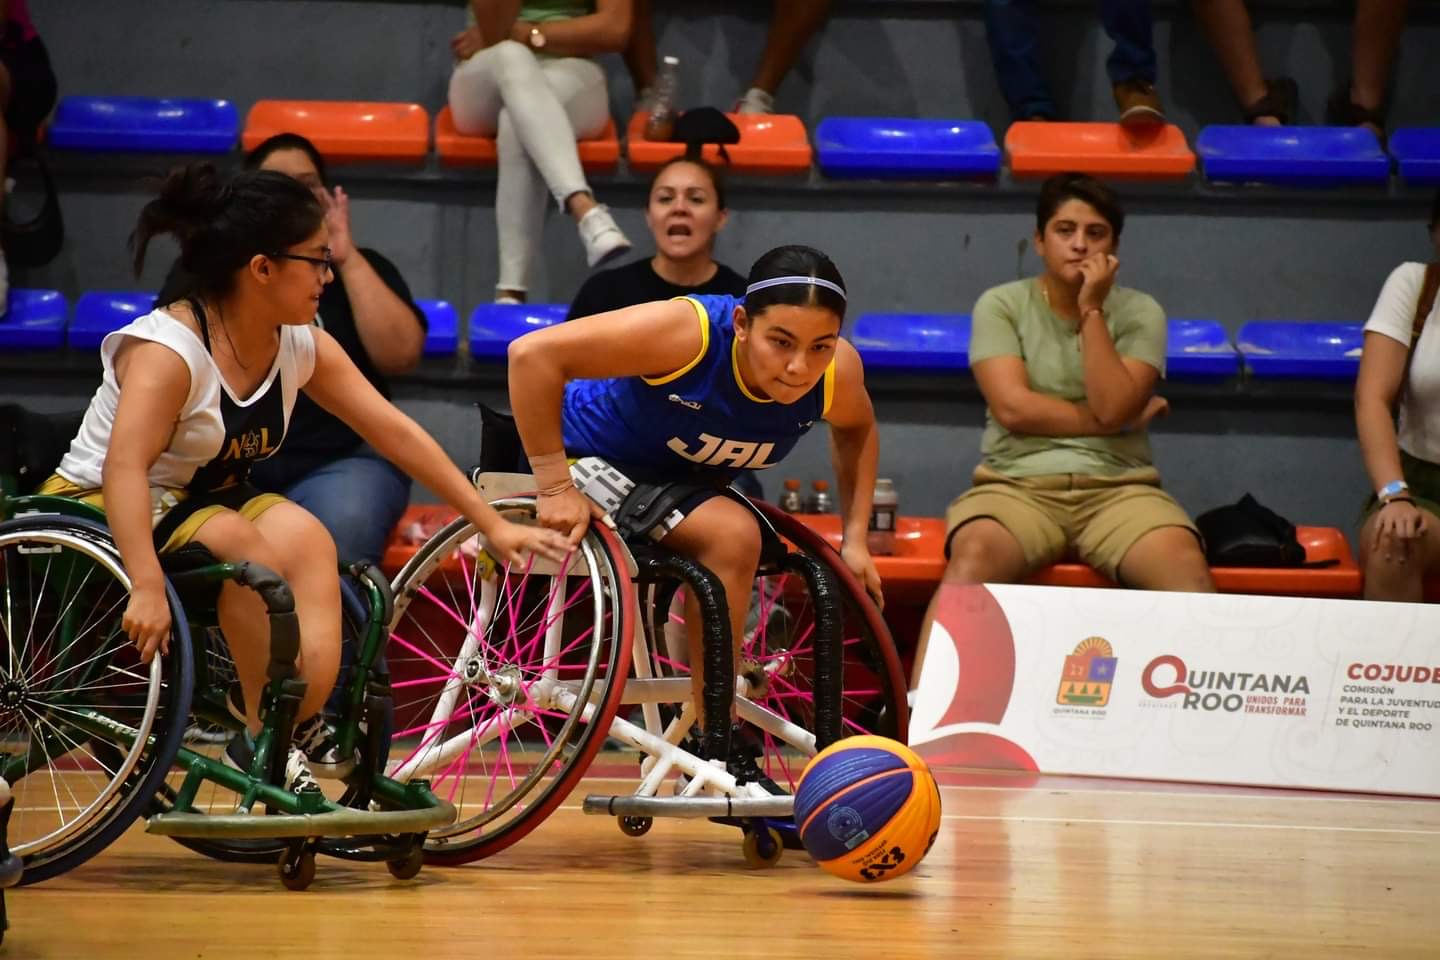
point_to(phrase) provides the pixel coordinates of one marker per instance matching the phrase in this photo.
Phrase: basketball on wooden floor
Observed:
(867, 809)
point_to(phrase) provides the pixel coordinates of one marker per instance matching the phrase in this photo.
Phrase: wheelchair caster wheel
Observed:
(297, 867)
(635, 826)
(763, 847)
(408, 865)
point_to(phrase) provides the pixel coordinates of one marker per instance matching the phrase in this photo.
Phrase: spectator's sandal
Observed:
(1341, 111)
(1278, 102)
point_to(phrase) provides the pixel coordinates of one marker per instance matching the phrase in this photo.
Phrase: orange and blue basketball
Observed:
(867, 809)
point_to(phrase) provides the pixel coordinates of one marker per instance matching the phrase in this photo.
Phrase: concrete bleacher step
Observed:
(144, 124)
(345, 131)
(1295, 156)
(773, 144)
(1282, 349)
(1041, 149)
(101, 312)
(494, 325)
(600, 154)
(1417, 155)
(34, 320)
(906, 148)
(442, 325)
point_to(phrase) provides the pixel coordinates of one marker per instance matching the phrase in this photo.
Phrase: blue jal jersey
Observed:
(699, 419)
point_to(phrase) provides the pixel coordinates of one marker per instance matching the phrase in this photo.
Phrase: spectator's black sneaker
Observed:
(315, 738)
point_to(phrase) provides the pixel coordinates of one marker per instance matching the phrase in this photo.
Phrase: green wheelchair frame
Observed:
(376, 818)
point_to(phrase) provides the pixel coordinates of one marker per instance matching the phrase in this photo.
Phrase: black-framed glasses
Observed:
(324, 263)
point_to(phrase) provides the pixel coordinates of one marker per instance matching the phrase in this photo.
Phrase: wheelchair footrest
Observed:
(689, 807)
(337, 823)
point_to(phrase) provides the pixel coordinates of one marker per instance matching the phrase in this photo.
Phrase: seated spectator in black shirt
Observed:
(324, 466)
(686, 211)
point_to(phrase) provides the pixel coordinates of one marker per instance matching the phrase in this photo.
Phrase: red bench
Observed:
(919, 561)
(345, 131)
(914, 570)
(599, 154)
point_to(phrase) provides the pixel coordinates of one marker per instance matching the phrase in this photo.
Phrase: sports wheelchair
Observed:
(91, 738)
(508, 680)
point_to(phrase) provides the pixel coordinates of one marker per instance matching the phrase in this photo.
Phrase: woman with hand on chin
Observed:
(1068, 363)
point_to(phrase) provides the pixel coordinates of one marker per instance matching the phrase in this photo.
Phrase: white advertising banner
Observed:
(1266, 691)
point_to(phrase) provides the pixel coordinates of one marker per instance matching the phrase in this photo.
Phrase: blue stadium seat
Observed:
(494, 325)
(1199, 350)
(105, 311)
(1417, 153)
(913, 342)
(441, 328)
(145, 124)
(905, 148)
(34, 320)
(1301, 156)
(1277, 349)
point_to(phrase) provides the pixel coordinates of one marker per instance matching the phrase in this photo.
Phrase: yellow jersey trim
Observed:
(829, 387)
(704, 346)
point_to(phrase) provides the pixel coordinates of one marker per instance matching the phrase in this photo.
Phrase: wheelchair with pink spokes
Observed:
(511, 682)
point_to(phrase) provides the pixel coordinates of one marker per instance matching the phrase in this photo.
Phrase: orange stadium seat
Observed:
(1101, 149)
(345, 131)
(769, 144)
(919, 561)
(600, 154)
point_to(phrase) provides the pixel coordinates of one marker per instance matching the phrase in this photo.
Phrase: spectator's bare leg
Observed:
(1232, 35)
(792, 24)
(1167, 558)
(1376, 35)
(981, 551)
(1395, 570)
(640, 52)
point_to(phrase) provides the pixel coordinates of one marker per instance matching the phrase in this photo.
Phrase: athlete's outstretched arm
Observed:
(855, 453)
(339, 387)
(651, 339)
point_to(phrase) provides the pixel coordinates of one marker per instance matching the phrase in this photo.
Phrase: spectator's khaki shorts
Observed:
(1058, 516)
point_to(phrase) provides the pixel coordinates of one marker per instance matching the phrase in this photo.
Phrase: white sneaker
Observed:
(602, 237)
(755, 100)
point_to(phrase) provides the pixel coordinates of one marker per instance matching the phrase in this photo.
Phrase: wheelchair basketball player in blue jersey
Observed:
(662, 404)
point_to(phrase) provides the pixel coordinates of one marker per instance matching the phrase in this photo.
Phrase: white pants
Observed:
(535, 108)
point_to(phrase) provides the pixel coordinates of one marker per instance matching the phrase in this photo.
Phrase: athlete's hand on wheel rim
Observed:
(569, 512)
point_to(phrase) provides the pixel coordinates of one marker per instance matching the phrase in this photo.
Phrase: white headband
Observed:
(782, 281)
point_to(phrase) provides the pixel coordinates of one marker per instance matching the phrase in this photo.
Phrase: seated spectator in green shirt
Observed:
(1068, 363)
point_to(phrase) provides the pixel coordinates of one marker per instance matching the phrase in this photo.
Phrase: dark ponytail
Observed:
(221, 222)
(795, 261)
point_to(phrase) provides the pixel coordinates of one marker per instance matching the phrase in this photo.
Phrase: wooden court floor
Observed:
(1055, 868)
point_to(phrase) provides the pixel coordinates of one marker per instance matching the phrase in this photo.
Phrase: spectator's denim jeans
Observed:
(1012, 30)
(535, 108)
(359, 500)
